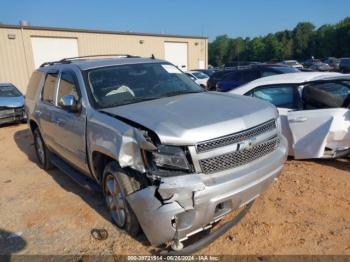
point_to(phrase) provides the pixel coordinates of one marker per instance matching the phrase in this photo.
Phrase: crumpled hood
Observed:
(12, 102)
(191, 118)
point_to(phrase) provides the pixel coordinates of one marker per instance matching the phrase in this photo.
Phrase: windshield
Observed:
(126, 84)
(291, 62)
(9, 91)
(200, 75)
(286, 70)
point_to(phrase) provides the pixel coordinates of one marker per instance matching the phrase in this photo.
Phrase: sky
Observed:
(245, 18)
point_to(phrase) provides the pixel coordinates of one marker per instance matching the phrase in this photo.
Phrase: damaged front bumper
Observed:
(10, 115)
(184, 205)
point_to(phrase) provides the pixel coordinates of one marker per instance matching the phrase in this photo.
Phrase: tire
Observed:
(41, 151)
(117, 184)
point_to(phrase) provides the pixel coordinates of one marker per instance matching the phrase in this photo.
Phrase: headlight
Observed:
(170, 157)
(278, 123)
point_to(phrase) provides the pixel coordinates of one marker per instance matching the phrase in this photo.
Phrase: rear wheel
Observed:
(42, 153)
(118, 183)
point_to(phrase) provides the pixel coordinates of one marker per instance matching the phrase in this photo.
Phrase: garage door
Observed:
(176, 53)
(47, 49)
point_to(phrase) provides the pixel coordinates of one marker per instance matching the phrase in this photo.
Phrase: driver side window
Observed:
(68, 86)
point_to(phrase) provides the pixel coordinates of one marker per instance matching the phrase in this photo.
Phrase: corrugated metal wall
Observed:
(16, 56)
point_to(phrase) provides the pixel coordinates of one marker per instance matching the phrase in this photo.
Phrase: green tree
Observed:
(256, 48)
(285, 38)
(303, 35)
(343, 37)
(273, 48)
(218, 50)
(301, 43)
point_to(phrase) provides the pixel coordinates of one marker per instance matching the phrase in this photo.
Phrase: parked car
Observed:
(319, 66)
(11, 104)
(237, 78)
(214, 78)
(198, 77)
(332, 62)
(208, 72)
(344, 65)
(314, 110)
(292, 63)
(140, 130)
(316, 65)
(309, 62)
(236, 64)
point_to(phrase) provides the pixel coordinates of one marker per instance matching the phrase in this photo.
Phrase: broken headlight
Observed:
(170, 157)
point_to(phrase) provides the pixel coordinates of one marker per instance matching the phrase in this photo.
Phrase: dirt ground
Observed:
(306, 212)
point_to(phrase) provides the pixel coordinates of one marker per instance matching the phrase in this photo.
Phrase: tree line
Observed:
(301, 43)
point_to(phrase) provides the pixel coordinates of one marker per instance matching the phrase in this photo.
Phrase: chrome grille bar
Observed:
(238, 158)
(236, 137)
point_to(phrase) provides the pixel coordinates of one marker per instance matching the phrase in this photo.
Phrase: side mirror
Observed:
(69, 103)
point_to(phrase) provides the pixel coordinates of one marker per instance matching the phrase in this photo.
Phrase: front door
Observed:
(311, 128)
(70, 127)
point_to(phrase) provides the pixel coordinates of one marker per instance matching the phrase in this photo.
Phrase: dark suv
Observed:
(344, 65)
(227, 80)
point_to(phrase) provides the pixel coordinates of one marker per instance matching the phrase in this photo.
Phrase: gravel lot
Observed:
(306, 212)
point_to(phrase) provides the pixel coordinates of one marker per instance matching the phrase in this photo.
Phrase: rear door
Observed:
(229, 81)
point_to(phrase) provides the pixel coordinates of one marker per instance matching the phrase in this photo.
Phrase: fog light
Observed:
(183, 220)
(222, 208)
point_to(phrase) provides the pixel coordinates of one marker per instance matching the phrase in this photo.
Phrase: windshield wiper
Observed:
(131, 101)
(175, 93)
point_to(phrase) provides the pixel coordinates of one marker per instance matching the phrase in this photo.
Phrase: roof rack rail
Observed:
(68, 60)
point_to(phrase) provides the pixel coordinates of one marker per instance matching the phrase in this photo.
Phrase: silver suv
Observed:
(170, 157)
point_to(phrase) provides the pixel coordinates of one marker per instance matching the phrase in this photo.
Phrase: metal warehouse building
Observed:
(24, 48)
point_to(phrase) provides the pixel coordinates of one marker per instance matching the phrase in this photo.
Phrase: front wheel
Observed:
(116, 186)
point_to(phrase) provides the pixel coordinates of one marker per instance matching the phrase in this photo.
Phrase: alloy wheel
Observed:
(115, 200)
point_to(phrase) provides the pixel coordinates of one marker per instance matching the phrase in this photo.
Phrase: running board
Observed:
(82, 180)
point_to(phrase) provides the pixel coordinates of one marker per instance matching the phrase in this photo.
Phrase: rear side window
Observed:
(218, 75)
(268, 73)
(33, 85)
(345, 61)
(335, 89)
(48, 94)
(233, 76)
(249, 76)
(326, 95)
(285, 70)
(68, 86)
(283, 96)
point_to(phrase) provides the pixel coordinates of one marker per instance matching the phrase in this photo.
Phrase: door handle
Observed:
(298, 119)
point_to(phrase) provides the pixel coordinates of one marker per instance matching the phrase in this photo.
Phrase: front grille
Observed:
(236, 137)
(238, 158)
